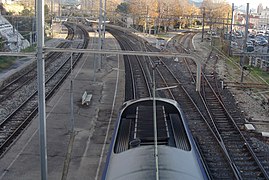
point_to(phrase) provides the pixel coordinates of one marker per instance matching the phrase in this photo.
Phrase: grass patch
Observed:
(6, 61)
(29, 49)
(164, 36)
(234, 61)
(257, 72)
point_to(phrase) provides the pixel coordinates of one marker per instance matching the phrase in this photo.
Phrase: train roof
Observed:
(130, 102)
(138, 163)
(132, 150)
(136, 125)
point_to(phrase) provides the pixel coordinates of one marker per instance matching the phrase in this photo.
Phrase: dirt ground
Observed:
(252, 101)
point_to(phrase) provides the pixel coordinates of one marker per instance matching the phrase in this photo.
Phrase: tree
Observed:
(216, 10)
(27, 12)
(123, 8)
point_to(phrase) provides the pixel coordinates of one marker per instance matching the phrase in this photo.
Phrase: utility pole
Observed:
(203, 25)
(227, 23)
(60, 8)
(231, 30)
(40, 21)
(146, 21)
(104, 31)
(245, 44)
(100, 34)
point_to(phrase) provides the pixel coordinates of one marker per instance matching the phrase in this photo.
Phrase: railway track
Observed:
(138, 74)
(9, 88)
(248, 164)
(218, 156)
(213, 154)
(19, 115)
(251, 166)
(217, 162)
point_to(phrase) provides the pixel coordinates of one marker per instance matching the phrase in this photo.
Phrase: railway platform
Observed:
(82, 154)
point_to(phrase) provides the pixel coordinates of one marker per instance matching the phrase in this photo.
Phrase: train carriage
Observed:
(131, 154)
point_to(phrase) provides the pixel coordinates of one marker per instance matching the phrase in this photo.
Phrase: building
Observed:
(259, 8)
(264, 20)
(254, 21)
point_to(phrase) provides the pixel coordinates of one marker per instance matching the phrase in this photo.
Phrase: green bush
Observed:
(6, 62)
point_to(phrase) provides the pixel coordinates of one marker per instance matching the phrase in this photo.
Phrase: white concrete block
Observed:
(265, 134)
(249, 127)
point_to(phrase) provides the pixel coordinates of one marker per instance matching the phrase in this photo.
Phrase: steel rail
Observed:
(134, 83)
(212, 131)
(237, 129)
(13, 135)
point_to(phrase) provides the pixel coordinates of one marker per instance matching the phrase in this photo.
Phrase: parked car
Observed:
(263, 42)
(252, 36)
(260, 40)
(249, 43)
(252, 40)
(234, 44)
(250, 48)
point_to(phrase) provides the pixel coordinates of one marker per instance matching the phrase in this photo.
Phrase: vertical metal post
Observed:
(104, 26)
(72, 119)
(104, 31)
(198, 76)
(60, 8)
(227, 24)
(223, 25)
(41, 88)
(155, 126)
(268, 44)
(231, 31)
(203, 25)
(31, 38)
(94, 57)
(17, 24)
(100, 34)
(245, 45)
(146, 20)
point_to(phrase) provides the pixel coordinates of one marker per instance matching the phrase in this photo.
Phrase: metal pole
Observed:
(227, 24)
(155, 126)
(245, 45)
(198, 76)
(231, 30)
(147, 18)
(94, 57)
(41, 88)
(100, 34)
(203, 25)
(72, 120)
(18, 48)
(104, 31)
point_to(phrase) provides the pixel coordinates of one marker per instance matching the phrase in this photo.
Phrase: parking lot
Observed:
(256, 42)
(257, 46)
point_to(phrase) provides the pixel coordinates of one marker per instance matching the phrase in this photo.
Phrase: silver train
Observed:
(131, 154)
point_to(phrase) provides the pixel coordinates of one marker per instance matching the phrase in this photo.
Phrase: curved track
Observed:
(226, 156)
(140, 86)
